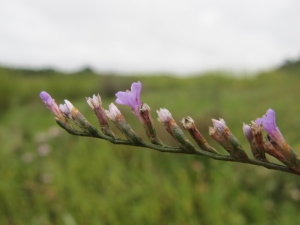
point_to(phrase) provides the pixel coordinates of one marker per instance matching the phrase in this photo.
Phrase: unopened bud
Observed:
(146, 120)
(165, 117)
(96, 104)
(73, 113)
(189, 125)
(221, 133)
(115, 115)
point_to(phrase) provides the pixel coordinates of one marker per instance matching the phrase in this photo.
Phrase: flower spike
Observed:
(274, 144)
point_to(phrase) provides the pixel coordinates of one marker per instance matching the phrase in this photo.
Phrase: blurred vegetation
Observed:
(51, 177)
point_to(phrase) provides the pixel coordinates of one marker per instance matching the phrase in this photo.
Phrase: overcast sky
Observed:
(177, 36)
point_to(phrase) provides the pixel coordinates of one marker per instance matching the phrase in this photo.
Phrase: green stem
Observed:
(169, 149)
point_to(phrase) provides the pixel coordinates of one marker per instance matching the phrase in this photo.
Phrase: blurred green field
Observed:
(51, 177)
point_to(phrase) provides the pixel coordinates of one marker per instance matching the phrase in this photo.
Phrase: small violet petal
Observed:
(268, 120)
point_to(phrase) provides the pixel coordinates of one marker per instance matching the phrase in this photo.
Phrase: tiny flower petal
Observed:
(164, 115)
(268, 120)
(136, 88)
(123, 98)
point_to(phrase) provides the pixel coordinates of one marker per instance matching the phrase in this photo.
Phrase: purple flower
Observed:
(50, 103)
(269, 123)
(131, 98)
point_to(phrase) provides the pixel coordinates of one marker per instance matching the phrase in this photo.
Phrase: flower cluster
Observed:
(274, 144)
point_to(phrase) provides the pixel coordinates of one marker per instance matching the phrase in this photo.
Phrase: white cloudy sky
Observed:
(180, 36)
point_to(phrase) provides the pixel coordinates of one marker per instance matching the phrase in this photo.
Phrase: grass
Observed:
(51, 177)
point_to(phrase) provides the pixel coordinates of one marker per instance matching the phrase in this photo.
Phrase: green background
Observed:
(51, 177)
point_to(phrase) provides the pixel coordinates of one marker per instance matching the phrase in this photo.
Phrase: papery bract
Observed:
(66, 108)
(94, 102)
(113, 112)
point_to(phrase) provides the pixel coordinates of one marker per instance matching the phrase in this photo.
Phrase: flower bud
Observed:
(73, 114)
(248, 132)
(146, 120)
(96, 104)
(115, 115)
(189, 125)
(253, 134)
(50, 104)
(165, 117)
(221, 133)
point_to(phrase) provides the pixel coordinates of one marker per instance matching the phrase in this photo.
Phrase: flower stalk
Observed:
(274, 143)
